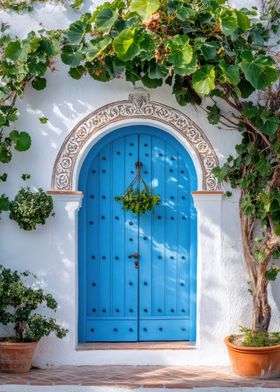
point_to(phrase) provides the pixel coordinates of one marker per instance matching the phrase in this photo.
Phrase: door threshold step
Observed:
(135, 346)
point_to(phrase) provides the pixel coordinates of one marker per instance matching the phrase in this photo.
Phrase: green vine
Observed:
(200, 48)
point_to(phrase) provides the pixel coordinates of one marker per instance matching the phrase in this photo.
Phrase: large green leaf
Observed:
(231, 74)
(37, 69)
(214, 114)
(209, 50)
(39, 83)
(181, 52)
(71, 56)
(13, 50)
(126, 45)
(260, 71)
(187, 69)
(76, 32)
(243, 20)
(151, 83)
(203, 80)
(228, 21)
(106, 18)
(144, 8)
(76, 72)
(96, 48)
(22, 140)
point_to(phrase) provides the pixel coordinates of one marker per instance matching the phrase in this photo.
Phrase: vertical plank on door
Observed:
(171, 228)
(184, 226)
(158, 248)
(93, 238)
(131, 236)
(118, 229)
(105, 232)
(145, 238)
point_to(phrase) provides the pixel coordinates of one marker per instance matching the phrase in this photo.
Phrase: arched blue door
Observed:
(117, 300)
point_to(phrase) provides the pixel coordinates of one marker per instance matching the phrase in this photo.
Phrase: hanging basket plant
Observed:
(139, 201)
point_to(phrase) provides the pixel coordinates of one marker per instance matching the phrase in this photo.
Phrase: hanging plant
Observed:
(136, 200)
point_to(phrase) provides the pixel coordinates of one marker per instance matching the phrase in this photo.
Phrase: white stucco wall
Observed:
(50, 252)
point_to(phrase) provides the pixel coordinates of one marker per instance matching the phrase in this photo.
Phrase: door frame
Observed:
(121, 131)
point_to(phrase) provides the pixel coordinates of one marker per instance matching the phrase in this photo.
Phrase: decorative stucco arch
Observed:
(137, 107)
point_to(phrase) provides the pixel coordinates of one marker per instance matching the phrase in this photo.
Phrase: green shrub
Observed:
(29, 208)
(19, 303)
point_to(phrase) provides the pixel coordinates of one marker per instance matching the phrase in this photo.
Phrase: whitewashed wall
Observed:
(224, 301)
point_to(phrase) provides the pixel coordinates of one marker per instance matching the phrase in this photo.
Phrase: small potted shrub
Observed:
(19, 304)
(30, 209)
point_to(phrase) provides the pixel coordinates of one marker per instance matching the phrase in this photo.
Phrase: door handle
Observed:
(134, 256)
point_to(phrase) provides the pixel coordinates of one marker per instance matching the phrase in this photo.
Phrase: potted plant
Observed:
(30, 209)
(20, 301)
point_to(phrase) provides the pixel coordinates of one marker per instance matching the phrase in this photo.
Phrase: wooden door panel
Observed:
(121, 302)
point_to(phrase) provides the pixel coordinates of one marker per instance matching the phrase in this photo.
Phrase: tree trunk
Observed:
(261, 307)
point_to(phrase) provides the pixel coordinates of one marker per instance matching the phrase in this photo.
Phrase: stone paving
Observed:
(136, 377)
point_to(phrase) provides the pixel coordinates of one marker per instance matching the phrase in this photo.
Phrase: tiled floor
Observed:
(136, 376)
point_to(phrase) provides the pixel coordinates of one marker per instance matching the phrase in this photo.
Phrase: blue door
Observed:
(137, 275)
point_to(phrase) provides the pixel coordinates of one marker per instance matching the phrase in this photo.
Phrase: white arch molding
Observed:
(137, 109)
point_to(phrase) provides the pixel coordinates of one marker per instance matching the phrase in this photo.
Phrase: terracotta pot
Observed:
(16, 357)
(261, 362)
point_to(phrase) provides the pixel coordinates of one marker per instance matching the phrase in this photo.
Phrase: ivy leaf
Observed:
(144, 8)
(272, 272)
(43, 120)
(22, 140)
(230, 73)
(76, 32)
(37, 69)
(106, 18)
(76, 72)
(181, 52)
(96, 48)
(183, 13)
(270, 126)
(25, 176)
(126, 45)
(209, 50)
(151, 82)
(214, 114)
(4, 203)
(187, 69)
(76, 4)
(243, 20)
(4, 177)
(260, 72)
(13, 50)
(39, 83)
(5, 154)
(71, 56)
(203, 80)
(245, 88)
(228, 21)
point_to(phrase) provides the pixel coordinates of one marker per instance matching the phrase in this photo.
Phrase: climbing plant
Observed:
(211, 55)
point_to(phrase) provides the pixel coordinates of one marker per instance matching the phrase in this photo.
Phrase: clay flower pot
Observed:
(261, 362)
(16, 357)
